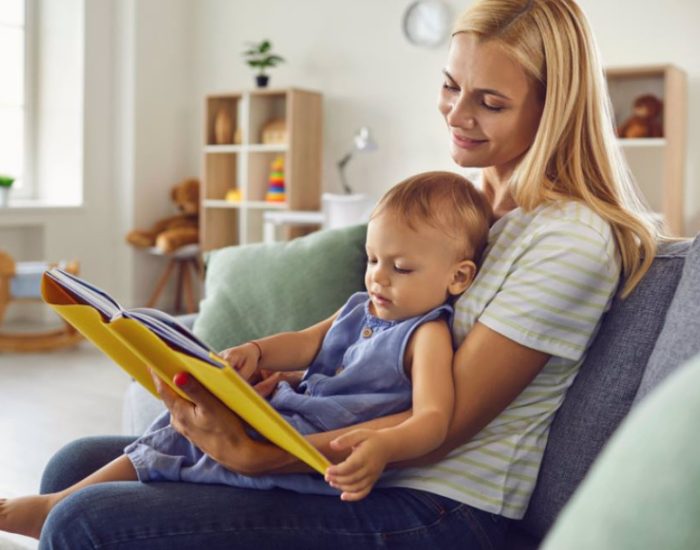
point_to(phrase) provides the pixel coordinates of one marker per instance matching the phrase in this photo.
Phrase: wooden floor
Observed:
(46, 401)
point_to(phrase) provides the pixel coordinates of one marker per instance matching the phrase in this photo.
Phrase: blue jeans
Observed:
(175, 516)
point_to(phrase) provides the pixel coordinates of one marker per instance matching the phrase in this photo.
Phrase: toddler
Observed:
(386, 350)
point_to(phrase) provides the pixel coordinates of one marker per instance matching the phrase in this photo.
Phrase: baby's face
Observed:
(408, 271)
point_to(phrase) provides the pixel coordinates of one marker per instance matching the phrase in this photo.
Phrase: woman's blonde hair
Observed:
(574, 154)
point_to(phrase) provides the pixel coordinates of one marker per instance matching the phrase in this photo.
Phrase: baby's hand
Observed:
(358, 473)
(244, 359)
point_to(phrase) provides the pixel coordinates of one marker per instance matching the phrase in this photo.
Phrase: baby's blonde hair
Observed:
(574, 154)
(445, 201)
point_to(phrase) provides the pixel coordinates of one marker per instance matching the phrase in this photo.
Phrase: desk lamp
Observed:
(362, 143)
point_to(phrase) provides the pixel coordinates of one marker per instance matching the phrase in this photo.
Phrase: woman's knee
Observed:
(79, 459)
(86, 518)
(66, 525)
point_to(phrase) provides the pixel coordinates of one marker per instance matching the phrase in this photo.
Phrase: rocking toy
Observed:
(20, 282)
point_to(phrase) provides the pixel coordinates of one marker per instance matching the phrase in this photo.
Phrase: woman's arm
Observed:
(490, 371)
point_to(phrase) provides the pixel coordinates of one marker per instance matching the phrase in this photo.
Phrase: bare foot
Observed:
(25, 515)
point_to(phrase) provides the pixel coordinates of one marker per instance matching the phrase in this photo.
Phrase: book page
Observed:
(172, 333)
(84, 293)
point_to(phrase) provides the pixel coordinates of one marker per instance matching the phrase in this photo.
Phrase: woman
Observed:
(523, 97)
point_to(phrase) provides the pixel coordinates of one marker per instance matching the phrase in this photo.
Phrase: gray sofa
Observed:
(642, 339)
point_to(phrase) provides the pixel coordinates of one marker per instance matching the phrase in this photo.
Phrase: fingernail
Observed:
(181, 379)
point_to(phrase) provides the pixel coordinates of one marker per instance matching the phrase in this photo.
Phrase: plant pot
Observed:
(4, 196)
(261, 80)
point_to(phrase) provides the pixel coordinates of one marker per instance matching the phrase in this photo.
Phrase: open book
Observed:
(140, 339)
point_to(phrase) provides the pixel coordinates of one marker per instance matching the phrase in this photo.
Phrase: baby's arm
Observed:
(423, 431)
(285, 351)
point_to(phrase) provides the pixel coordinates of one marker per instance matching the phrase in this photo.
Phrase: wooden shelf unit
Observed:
(245, 166)
(658, 164)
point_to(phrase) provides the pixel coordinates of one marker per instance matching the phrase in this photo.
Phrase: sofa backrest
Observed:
(606, 386)
(679, 339)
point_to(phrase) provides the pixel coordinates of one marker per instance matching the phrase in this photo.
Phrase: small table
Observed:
(274, 219)
(336, 211)
(21, 281)
(183, 258)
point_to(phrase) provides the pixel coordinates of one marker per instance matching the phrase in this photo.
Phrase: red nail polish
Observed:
(181, 379)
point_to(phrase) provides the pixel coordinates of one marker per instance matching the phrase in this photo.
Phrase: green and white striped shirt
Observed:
(546, 280)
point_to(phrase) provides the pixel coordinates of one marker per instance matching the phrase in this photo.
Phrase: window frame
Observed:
(31, 40)
(29, 188)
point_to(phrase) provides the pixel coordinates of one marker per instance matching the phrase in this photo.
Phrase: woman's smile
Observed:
(467, 143)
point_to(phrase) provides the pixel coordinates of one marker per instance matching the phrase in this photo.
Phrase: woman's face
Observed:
(491, 107)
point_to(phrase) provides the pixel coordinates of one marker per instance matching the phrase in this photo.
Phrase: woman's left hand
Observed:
(211, 425)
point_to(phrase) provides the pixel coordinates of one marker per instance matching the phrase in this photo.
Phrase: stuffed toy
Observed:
(645, 120)
(169, 234)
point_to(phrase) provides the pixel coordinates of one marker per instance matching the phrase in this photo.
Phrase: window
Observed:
(13, 93)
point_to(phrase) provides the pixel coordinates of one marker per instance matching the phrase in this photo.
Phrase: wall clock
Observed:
(426, 23)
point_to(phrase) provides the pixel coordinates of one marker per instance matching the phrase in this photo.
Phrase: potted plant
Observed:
(5, 185)
(260, 57)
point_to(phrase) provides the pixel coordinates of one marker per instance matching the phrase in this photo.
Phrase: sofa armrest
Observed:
(139, 410)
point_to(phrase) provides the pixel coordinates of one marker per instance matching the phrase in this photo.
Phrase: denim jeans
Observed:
(172, 515)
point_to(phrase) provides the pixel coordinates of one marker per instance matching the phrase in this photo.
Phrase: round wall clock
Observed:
(426, 23)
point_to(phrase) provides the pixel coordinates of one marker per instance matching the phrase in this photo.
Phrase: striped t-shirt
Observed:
(547, 278)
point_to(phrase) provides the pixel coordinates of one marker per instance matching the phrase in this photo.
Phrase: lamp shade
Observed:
(364, 140)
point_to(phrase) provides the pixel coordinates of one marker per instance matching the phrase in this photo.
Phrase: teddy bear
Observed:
(169, 234)
(645, 120)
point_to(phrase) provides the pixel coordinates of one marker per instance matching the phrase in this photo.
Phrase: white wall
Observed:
(354, 52)
(160, 123)
(149, 63)
(657, 33)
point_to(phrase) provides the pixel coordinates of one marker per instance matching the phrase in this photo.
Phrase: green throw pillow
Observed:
(643, 492)
(260, 289)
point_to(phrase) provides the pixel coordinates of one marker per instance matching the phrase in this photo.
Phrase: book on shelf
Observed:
(141, 340)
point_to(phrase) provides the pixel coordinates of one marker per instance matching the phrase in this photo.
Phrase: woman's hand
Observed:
(244, 359)
(212, 426)
(357, 474)
(268, 382)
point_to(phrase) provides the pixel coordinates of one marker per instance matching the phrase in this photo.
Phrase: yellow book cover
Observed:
(140, 339)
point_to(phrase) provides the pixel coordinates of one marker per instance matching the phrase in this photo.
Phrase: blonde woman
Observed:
(523, 97)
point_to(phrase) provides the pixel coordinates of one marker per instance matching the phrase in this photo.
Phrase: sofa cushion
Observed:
(680, 337)
(643, 490)
(605, 387)
(259, 289)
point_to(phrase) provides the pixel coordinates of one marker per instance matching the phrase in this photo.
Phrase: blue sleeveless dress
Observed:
(358, 374)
